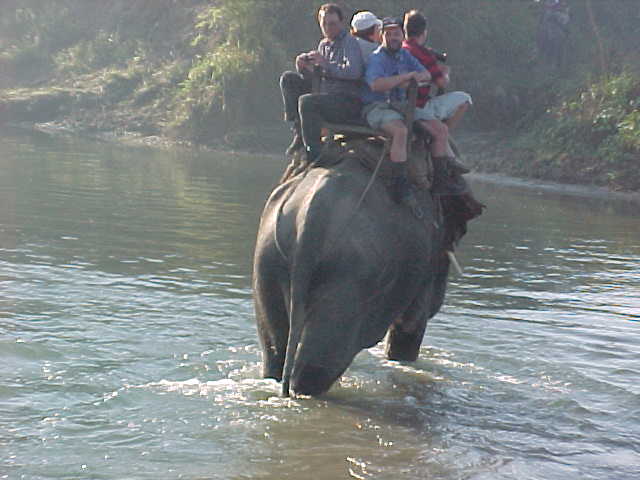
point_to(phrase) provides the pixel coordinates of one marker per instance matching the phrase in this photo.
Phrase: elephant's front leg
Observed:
(405, 334)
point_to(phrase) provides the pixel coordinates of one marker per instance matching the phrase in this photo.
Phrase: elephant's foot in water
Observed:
(312, 380)
(404, 339)
(272, 364)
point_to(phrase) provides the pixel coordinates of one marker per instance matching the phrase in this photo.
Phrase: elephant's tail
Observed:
(302, 265)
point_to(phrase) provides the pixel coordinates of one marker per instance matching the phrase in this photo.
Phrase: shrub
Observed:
(596, 129)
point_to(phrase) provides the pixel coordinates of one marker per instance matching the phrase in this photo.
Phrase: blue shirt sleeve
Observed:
(374, 70)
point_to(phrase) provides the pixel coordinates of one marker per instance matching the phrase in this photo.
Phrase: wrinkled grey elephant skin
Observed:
(342, 278)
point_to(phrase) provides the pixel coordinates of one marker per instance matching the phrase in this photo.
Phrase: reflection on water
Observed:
(129, 349)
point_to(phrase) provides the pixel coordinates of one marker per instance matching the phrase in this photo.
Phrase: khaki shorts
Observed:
(442, 106)
(381, 113)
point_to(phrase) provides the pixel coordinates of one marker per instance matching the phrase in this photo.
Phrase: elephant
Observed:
(335, 271)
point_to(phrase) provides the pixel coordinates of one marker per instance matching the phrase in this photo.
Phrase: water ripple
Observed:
(130, 351)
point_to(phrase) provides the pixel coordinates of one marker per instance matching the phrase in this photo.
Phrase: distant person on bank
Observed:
(367, 28)
(553, 31)
(339, 56)
(440, 113)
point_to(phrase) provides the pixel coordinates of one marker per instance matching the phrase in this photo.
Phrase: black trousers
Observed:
(315, 108)
(293, 85)
(311, 109)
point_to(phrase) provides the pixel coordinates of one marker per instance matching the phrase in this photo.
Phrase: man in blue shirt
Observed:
(387, 76)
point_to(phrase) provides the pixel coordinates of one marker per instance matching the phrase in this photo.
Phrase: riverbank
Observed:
(260, 139)
(574, 143)
(480, 150)
(205, 75)
(91, 111)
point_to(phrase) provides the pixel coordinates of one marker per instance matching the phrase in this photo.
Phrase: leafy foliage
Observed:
(235, 46)
(105, 50)
(593, 135)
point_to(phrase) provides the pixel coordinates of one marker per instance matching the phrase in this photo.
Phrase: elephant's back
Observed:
(343, 212)
(354, 216)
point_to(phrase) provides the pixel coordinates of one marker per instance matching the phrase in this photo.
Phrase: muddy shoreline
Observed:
(476, 145)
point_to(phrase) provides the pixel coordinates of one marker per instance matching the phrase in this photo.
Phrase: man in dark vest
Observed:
(340, 58)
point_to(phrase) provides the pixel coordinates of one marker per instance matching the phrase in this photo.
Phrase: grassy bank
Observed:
(206, 72)
(591, 135)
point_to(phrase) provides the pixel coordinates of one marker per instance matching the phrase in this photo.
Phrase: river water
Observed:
(128, 346)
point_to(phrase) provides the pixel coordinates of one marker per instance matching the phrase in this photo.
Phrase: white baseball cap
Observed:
(363, 20)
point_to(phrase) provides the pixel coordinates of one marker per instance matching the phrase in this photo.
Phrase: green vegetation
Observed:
(592, 135)
(207, 71)
(234, 50)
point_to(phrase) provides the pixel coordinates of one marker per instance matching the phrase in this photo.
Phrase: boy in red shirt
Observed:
(442, 112)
